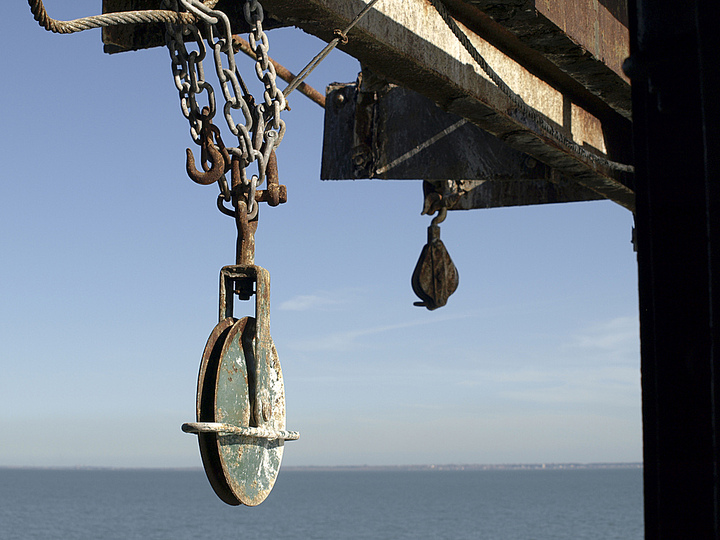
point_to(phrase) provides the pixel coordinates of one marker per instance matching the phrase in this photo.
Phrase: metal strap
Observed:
(228, 429)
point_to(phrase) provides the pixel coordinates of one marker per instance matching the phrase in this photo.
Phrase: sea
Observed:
(326, 504)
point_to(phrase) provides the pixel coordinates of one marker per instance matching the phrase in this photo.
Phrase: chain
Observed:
(261, 129)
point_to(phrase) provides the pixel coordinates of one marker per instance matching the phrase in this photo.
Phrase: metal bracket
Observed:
(392, 133)
(226, 429)
(233, 277)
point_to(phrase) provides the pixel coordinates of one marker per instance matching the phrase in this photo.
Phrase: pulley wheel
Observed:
(235, 370)
(205, 410)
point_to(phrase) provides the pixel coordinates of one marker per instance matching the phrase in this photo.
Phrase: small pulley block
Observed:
(435, 276)
(240, 406)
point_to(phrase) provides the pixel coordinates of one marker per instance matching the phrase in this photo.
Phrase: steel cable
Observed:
(315, 62)
(108, 19)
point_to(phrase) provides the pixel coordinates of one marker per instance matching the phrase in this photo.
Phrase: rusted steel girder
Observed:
(407, 43)
(586, 39)
(285, 74)
(394, 133)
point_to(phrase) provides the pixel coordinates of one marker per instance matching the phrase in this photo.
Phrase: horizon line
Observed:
(365, 467)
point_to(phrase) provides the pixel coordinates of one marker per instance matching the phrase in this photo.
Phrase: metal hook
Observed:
(442, 214)
(215, 173)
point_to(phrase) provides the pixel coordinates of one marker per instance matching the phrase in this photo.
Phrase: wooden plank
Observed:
(133, 37)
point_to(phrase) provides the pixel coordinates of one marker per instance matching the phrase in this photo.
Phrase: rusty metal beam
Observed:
(395, 133)
(587, 39)
(406, 42)
(239, 44)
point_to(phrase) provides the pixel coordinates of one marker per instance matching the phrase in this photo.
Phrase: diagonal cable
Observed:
(341, 36)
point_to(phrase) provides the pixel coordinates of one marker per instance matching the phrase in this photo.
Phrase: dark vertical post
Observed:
(674, 70)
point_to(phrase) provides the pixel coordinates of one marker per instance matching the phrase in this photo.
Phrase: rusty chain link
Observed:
(261, 129)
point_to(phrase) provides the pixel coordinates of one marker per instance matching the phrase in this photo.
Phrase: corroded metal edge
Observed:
(205, 410)
(586, 39)
(258, 433)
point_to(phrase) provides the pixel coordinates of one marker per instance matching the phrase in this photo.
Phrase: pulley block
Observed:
(240, 407)
(435, 276)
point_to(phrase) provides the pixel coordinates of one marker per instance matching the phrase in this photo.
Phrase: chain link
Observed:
(261, 129)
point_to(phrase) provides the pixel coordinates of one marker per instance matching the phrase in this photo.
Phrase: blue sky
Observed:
(109, 270)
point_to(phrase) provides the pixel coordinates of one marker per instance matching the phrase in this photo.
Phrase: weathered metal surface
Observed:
(587, 39)
(215, 160)
(217, 427)
(245, 200)
(406, 42)
(435, 276)
(275, 193)
(250, 464)
(232, 402)
(394, 133)
(241, 396)
(205, 411)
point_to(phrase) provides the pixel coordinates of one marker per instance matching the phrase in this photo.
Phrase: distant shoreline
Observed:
(472, 467)
(346, 468)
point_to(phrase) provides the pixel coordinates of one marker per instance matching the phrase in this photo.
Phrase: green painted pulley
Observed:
(240, 406)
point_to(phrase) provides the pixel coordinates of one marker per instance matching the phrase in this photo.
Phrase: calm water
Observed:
(333, 505)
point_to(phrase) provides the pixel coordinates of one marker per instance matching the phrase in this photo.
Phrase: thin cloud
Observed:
(598, 365)
(617, 338)
(344, 341)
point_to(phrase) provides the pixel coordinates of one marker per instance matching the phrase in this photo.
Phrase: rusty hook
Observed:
(207, 134)
(207, 177)
(442, 214)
